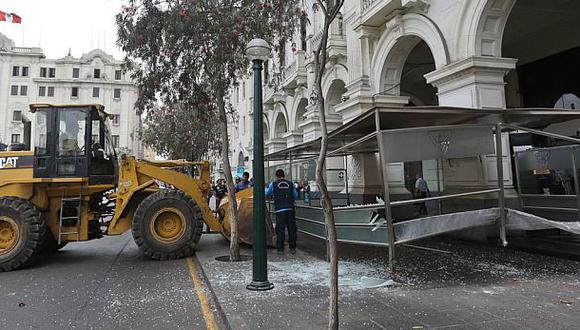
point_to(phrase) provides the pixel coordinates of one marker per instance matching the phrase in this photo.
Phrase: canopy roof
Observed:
(358, 135)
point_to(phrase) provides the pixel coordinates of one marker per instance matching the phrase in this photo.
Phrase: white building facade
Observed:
(487, 54)
(27, 76)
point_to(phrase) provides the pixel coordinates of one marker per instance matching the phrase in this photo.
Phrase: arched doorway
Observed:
(404, 69)
(265, 131)
(334, 96)
(280, 127)
(542, 35)
(300, 113)
(241, 160)
(413, 84)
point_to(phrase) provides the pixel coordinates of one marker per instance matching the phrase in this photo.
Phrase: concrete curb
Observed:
(221, 319)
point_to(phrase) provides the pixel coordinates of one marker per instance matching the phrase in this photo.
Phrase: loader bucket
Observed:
(245, 211)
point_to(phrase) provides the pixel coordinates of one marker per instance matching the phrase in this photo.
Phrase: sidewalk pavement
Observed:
(454, 284)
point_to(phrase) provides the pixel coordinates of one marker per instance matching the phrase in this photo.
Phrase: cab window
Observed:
(72, 125)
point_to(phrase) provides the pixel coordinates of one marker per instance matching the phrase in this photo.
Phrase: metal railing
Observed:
(27, 50)
(419, 200)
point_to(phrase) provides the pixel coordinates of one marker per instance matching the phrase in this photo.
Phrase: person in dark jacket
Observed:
(284, 194)
(219, 191)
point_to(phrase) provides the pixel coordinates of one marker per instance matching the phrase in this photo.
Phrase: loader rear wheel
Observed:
(21, 231)
(167, 225)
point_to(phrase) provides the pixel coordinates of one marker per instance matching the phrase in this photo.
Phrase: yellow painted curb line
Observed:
(205, 307)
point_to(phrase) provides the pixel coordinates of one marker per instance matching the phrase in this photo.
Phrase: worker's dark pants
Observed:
(422, 205)
(283, 220)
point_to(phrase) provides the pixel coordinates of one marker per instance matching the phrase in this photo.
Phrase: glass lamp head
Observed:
(258, 49)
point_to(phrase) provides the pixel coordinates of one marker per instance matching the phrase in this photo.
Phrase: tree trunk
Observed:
(325, 200)
(234, 237)
(327, 209)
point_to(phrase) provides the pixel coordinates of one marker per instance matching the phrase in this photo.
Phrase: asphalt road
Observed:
(102, 284)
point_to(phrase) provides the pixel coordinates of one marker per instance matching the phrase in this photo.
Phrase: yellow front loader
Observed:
(72, 188)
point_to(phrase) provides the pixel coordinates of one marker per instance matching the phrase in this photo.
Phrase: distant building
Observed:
(27, 76)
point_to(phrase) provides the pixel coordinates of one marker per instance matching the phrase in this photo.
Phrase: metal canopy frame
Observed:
(347, 139)
(362, 135)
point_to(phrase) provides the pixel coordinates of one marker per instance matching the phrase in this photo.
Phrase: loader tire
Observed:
(22, 229)
(167, 225)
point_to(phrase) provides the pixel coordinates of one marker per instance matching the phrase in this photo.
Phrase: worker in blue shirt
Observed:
(245, 183)
(284, 195)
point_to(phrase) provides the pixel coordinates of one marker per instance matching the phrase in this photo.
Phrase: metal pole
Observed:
(386, 196)
(290, 172)
(346, 179)
(439, 203)
(260, 258)
(576, 181)
(501, 193)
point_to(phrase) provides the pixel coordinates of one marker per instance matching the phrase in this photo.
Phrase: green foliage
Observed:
(190, 52)
(180, 132)
(174, 45)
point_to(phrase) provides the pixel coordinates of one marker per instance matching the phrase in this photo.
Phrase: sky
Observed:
(57, 25)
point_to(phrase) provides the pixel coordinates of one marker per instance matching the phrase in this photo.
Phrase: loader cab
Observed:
(73, 142)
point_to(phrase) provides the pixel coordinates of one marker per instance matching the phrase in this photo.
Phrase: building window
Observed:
(43, 72)
(74, 92)
(95, 91)
(25, 71)
(115, 141)
(117, 93)
(15, 138)
(41, 91)
(13, 90)
(51, 72)
(50, 92)
(116, 120)
(23, 90)
(76, 72)
(17, 115)
(15, 71)
(118, 74)
(303, 22)
(267, 71)
(243, 91)
(97, 74)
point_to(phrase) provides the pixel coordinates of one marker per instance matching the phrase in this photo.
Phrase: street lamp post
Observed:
(258, 51)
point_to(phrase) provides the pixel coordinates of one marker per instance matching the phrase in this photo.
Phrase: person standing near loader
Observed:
(245, 183)
(284, 195)
(220, 190)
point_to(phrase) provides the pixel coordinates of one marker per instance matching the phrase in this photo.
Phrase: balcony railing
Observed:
(334, 40)
(315, 40)
(366, 4)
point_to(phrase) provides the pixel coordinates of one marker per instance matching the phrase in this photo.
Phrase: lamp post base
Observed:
(260, 286)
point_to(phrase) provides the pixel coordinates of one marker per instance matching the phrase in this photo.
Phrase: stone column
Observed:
(359, 95)
(475, 82)
(293, 138)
